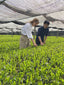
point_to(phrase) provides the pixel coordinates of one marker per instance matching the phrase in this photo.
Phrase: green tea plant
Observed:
(42, 65)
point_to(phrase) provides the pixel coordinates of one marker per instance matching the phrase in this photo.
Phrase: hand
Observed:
(35, 45)
(42, 43)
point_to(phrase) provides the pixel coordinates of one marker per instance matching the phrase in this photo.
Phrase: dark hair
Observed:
(35, 20)
(46, 22)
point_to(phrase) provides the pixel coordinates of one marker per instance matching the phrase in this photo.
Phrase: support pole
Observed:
(12, 32)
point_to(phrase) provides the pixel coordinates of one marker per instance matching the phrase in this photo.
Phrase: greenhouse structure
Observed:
(14, 14)
(35, 57)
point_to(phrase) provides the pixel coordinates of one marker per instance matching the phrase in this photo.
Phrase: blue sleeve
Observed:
(39, 32)
(47, 31)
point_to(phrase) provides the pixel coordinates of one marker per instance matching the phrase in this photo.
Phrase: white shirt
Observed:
(27, 30)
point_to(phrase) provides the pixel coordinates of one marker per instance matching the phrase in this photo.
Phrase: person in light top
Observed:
(42, 34)
(26, 34)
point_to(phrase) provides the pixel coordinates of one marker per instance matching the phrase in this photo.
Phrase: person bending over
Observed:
(42, 34)
(26, 34)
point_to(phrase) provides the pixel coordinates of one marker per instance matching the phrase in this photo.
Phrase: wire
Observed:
(2, 1)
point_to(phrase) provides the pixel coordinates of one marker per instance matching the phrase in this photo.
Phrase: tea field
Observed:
(43, 65)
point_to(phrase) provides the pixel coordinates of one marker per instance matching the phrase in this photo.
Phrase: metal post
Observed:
(12, 32)
(57, 33)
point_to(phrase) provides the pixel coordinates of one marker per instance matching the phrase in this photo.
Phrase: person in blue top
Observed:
(42, 34)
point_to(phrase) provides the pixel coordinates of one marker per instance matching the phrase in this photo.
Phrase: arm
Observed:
(40, 40)
(39, 33)
(34, 42)
(46, 35)
(45, 39)
(30, 37)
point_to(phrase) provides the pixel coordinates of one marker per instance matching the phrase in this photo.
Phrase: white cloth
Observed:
(27, 30)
